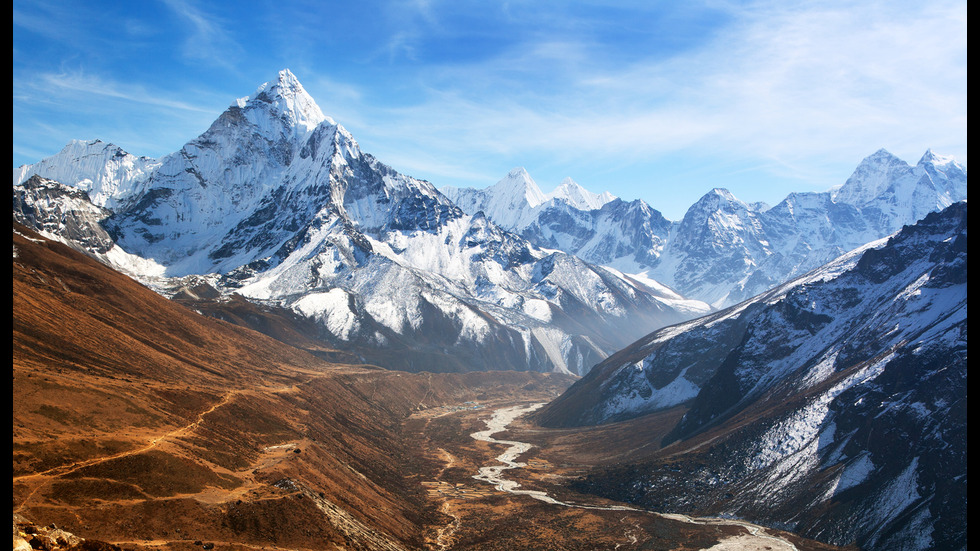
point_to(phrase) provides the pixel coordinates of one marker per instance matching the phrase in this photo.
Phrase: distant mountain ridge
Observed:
(723, 250)
(276, 202)
(516, 198)
(600, 227)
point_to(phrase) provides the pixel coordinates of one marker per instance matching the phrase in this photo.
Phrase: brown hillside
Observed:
(139, 422)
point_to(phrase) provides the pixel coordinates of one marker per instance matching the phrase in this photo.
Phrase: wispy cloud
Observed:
(826, 76)
(53, 108)
(79, 83)
(207, 38)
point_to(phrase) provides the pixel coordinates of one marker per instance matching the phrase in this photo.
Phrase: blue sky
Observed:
(655, 100)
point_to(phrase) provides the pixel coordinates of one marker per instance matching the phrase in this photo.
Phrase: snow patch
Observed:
(538, 309)
(331, 308)
(801, 428)
(854, 473)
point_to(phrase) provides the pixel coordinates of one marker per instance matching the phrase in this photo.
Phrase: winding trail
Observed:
(494, 475)
(444, 536)
(43, 478)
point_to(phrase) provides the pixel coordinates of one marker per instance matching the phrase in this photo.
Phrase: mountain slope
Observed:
(276, 202)
(138, 421)
(122, 382)
(834, 404)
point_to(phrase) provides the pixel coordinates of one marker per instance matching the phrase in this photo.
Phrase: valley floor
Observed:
(521, 504)
(449, 444)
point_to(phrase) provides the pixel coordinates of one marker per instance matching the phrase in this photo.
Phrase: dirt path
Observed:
(444, 536)
(72, 467)
(270, 456)
(41, 479)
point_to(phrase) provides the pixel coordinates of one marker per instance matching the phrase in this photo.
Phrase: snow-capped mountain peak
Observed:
(871, 178)
(884, 183)
(513, 198)
(519, 185)
(103, 170)
(284, 101)
(932, 157)
(577, 196)
(715, 203)
(945, 168)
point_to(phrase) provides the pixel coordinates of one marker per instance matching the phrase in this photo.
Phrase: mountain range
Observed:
(723, 251)
(277, 203)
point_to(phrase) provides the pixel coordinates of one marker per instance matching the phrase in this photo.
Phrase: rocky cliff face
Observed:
(834, 404)
(66, 211)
